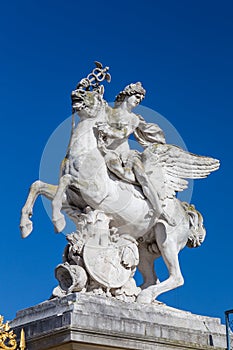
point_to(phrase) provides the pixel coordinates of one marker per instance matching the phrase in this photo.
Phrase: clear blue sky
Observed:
(182, 51)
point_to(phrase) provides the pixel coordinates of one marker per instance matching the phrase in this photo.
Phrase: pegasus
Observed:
(85, 180)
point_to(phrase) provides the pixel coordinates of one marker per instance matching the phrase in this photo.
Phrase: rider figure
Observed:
(113, 142)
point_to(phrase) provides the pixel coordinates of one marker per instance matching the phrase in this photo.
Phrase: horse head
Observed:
(87, 104)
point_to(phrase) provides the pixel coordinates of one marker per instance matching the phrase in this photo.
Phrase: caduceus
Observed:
(93, 79)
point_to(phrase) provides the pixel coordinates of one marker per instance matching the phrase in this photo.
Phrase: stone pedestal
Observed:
(80, 321)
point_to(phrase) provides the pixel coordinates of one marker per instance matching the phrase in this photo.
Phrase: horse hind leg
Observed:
(37, 188)
(169, 251)
(146, 266)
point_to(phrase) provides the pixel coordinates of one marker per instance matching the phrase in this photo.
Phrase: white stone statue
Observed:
(125, 163)
(123, 202)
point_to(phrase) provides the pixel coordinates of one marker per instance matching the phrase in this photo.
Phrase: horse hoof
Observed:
(59, 224)
(26, 229)
(145, 297)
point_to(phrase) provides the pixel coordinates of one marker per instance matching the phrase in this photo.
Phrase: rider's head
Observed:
(135, 90)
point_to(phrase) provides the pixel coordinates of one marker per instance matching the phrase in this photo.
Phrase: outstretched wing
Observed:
(167, 166)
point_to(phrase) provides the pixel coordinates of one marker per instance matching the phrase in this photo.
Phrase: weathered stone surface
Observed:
(122, 201)
(81, 321)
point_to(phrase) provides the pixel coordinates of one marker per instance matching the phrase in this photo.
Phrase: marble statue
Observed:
(122, 201)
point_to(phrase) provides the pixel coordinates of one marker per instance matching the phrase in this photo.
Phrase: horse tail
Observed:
(196, 227)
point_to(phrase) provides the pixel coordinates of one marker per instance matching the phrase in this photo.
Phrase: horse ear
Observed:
(99, 89)
(102, 89)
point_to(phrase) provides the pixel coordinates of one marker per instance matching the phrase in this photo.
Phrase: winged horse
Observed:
(86, 181)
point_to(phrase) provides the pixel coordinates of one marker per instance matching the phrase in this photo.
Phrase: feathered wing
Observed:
(167, 167)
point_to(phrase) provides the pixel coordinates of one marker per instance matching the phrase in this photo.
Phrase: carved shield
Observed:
(103, 261)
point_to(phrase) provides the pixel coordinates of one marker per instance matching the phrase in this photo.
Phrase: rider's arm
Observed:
(117, 131)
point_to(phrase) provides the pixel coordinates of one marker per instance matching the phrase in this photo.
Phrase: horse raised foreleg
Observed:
(36, 189)
(58, 218)
(169, 251)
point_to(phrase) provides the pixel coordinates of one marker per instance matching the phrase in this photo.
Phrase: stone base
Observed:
(80, 321)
